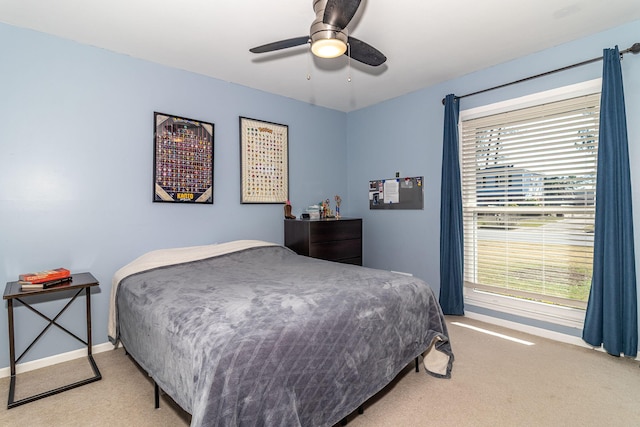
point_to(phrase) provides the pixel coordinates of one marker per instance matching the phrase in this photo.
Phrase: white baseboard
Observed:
(55, 359)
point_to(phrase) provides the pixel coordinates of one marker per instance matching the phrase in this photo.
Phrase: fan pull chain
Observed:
(349, 57)
(309, 62)
(349, 62)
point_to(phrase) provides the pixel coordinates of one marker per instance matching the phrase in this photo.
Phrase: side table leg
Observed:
(96, 371)
(89, 346)
(12, 354)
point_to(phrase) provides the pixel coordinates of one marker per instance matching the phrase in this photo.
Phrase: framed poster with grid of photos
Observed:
(264, 161)
(183, 160)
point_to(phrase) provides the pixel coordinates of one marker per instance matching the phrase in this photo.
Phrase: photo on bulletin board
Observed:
(183, 160)
(264, 161)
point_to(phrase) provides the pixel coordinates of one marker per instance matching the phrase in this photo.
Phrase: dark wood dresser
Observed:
(331, 239)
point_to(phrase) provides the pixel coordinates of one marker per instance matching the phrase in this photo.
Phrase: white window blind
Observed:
(528, 189)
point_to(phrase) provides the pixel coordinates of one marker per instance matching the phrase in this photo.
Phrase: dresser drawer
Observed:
(337, 250)
(329, 231)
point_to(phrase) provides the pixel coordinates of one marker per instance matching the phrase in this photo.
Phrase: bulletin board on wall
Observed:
(397, 193)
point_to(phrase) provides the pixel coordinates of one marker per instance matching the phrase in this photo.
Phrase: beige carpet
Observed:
(495, 382)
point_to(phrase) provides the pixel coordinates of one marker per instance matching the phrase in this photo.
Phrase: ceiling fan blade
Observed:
(365, 53)
(282, 44)
(340, 12)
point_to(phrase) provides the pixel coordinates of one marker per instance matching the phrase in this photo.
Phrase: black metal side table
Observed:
(80, 282)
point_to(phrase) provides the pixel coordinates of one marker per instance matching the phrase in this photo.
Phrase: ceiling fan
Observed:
(327, 35)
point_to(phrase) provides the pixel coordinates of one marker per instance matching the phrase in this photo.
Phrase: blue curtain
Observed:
(451, 238)
(612, 316)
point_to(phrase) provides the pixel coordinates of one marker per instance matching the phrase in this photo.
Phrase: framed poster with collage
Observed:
(183, 160)
(264, 161)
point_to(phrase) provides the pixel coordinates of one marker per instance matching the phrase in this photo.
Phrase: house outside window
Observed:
(528, 189)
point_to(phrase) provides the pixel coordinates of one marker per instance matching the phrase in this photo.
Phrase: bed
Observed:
(250, 333)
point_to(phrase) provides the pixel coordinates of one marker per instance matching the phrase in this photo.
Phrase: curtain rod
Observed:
(633, 49)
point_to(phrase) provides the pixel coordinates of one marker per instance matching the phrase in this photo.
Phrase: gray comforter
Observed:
(266, 337)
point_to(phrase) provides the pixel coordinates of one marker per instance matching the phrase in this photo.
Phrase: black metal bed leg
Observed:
(417, 366)
(343, 422)
(157, 394)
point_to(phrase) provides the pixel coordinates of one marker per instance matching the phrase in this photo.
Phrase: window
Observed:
(528, 194)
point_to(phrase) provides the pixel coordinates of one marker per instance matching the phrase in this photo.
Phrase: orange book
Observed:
(45, 276)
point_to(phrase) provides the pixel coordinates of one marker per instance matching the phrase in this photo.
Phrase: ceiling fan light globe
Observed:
(328, 48)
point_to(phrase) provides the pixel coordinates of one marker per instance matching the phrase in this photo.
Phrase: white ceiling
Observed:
(426, 42)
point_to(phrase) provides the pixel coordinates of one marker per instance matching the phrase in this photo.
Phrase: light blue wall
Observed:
(405, 134)
(76, 151)
(76, 161)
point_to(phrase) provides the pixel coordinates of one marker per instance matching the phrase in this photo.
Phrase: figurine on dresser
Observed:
(287, 210)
